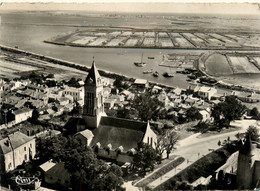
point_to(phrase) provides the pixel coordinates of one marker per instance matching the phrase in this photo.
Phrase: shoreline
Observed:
(110, 74)
(104, 73)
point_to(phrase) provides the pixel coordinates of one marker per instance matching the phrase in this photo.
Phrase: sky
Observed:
(153, 6)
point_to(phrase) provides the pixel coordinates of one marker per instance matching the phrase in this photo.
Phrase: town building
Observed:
(16, 149)
(21, 115)
(55, 174)
(76, 93)
(206, 92)
(113, 138)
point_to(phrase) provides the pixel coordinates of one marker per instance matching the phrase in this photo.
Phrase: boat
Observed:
(156, 74)
(140, 64)
(167, 75)
(148, 71)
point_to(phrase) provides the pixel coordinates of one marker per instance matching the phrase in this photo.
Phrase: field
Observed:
(166, 39)
(98, 42)
(148, 42)
(183, 42)
(165, 42)
(242, 65)
(115, 41)
(131, 42)
(84, 40)
(14, 65)
(257, 59)
(217, 64)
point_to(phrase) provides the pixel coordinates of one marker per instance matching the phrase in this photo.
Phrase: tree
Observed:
(193, 114)
(123, 113)
(227, 111)
(147, 106)
(165, 143)
(253, 132)
(80, 161)
(219, 143)
(145, 158)
(170, 140)
(254, 112)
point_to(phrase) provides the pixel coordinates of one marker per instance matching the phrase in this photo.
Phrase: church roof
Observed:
(119, 132)
(93, 75)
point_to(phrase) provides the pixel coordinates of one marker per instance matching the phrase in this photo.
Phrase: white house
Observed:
(76, 93)
(22, 114)
(206, 92)
(15, 149)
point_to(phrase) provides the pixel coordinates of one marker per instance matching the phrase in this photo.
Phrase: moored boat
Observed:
(167, 75)
(156, 74)
(148, 71)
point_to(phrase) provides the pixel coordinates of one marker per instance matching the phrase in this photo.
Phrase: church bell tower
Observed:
(93, 100)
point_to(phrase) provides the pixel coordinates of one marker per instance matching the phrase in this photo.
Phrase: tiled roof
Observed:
(20, 111)
(47, 165)
(140, 81)
(119, 132)
(14, 141)
(86, 133)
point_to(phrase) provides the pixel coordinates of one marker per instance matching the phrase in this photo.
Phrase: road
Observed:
(193, 148)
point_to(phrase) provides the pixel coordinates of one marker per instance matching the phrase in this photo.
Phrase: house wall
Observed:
(19, 155)
(23, 116)
(150, 137)
(83, 140)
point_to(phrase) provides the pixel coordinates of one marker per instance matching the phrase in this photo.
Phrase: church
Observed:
(110, 137)
(248, 166)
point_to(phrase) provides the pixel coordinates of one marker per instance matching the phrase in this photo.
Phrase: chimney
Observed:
(28, 133)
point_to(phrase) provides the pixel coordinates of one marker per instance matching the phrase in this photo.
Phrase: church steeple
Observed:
(93, 75)
(93, 100)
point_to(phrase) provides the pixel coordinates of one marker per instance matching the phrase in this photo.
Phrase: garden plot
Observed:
(214, 42)
(234, 37)
(188, 35)
(115, 41)
(138, 34)
(183, 42)
(128, 33)
(165, 42)
(149, 34)
(98, 42)
(115, 33)
(202, 35)
(101, 34)
(175, 35)
(242, 65)
(148, 42)
(198, 41)
(163, 35)
(131, 42)
(84, 40)
(257, 59)
(218, 36)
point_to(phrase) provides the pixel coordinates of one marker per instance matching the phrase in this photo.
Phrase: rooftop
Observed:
(119, 132)
(14, 141)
